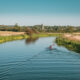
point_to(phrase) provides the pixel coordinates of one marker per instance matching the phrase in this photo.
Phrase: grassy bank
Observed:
(69, 44)
(46, 34)
(19, 37)
(11, 38)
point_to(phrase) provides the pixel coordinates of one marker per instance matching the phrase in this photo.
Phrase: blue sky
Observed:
(48, 12)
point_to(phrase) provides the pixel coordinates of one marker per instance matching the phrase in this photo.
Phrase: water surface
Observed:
(32, 60)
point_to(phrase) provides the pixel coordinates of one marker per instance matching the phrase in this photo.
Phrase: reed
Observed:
(11, 38)
(69, 44)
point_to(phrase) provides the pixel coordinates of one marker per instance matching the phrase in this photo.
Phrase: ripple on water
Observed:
(57, 64)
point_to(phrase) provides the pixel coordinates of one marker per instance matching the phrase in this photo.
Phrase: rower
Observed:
(51, 46)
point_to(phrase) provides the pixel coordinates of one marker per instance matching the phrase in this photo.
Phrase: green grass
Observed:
(46, 35)
(19, 37)
(69, 44)
(11, 38)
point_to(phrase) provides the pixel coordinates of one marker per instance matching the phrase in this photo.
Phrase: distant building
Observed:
(42, 26)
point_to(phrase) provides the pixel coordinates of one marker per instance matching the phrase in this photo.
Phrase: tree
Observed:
(17, 27)
(29, 31)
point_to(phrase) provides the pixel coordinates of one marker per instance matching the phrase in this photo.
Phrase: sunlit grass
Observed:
(69, 44)
(11, 38)
(46, 34)
(19, 37)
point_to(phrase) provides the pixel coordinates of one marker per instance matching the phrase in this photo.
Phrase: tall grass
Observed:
(69, 44)
(11, 38)
(18, 37)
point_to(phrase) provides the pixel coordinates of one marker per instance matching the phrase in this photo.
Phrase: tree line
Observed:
(40, 28)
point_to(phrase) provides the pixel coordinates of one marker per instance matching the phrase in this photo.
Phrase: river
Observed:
(32, 60)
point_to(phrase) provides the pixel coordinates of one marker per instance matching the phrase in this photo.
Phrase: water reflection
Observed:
(31, 40)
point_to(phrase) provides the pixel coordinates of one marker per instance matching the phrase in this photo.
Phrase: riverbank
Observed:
(6, 36)
(46, 34)
(70, 41)
(11, 38)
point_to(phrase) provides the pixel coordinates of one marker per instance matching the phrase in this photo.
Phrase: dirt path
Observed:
(72, 37)
(9, 33)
